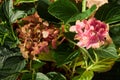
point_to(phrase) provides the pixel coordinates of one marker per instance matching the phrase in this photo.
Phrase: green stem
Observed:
(13, 33)
(66, 67)
(86, 53)
(83, 5)
(74, 66)
(32, 70)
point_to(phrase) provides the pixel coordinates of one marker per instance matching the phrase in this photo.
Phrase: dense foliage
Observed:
(57, 39)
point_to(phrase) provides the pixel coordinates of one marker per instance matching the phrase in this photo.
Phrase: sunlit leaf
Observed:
(102, 65)
(86, 75)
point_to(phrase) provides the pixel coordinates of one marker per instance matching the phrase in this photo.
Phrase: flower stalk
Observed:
(83, 5)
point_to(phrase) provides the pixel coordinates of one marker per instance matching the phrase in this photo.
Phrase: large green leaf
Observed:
(65, 54)
(86, 75)
(8, 13)
(11, 62)
(63, 10)
(107, 51)
(41, 76)
(7, 9)
(11, 77)
(102, 65)
(109, 13)
(56, 76)
(42, 9)
(83, 15)
(115, 35)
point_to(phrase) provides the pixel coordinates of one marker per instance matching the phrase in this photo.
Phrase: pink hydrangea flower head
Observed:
(90, 33)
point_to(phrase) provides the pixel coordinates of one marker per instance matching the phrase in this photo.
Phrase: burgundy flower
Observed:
(90, 33)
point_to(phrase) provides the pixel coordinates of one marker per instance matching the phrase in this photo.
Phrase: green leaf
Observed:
(26, 76)
(83, 15)
(55, 76)
(115, 35)
(24, 1)
(63, 10)
(42, 9)
(7, 9)
(37, 64)
(102, 65)
(11, 62)
(114, 1)
(107, 51)
(8, 13)
(41, 76)
(70, 35)
(11, 77)
(6, 36)
(65, 54)
(46, 56)
(112, 10)
(17, 15)
(87, 75)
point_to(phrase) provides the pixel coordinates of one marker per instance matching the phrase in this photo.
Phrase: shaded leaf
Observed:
(115, 35)
(41, 76)
(6, 36)
(42, 9)
(112, 10)
(26, 76)
(37, 64)
(65, 54)
(63, 10)
(12, 62)
(11, 77)
(56, 76)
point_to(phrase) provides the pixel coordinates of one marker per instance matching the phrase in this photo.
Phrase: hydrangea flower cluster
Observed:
(90, 33)
(36, 36)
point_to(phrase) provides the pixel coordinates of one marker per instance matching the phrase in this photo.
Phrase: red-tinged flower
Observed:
(90, 33)
(40, 47)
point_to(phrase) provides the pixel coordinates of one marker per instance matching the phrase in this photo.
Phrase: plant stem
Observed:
(13, 33)
(83, 5)
(74, 66)
(32, 69)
